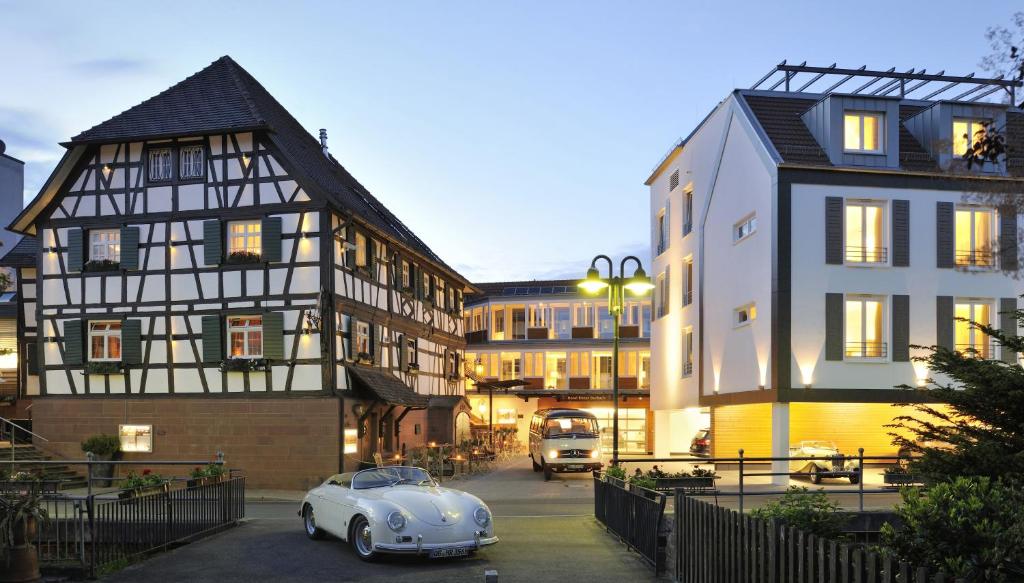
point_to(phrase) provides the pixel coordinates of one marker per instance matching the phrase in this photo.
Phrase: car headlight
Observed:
(553, 454)
(595, 454)
(396, 521)
(482, 516)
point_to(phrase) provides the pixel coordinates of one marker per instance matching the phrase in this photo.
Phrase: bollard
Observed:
(491, 576)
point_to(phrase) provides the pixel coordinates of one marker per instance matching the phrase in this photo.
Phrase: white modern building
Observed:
(805, 238)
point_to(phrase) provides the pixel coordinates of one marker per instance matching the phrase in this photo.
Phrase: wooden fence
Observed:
(719, 545)
(633, 514)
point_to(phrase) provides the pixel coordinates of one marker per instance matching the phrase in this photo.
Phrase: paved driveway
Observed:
(547, 530)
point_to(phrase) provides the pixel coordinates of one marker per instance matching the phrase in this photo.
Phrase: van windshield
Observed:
(570, 427)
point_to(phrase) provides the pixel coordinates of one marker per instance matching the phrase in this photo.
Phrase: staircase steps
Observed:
(68, 478)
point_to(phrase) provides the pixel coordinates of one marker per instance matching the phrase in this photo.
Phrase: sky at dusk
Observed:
(513, 137)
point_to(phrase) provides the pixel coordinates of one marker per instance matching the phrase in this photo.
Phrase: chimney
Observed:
(323, 142)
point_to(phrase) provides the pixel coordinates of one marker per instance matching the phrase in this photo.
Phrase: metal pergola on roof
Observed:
(885, 83)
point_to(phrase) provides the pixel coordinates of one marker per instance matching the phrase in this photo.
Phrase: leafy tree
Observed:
(811, 512)
(971, 528)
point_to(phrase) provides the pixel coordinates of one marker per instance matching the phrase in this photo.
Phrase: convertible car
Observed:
(397, 509)
(827, 462)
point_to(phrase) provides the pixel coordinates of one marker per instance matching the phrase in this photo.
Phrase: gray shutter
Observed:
(273, 335)
(213, 243)
(403, 353)
(944, 234)
(901, 233)
(213, 343)
(834, 230)
(350, 248)
(74, 352)
(418, 282)
(901, 328)
(1008, 238)
(131, 341)
(270, 239)
(32, 350)
(1008, 325)
(834, 327)
(351, 337)
(76, 250)
(374, 345)
(945, 335)
(129, 247)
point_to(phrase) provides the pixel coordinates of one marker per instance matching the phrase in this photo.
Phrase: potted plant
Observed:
(243, 257)
(210, 474)
(698, 479)
(105, 448)
(20, 515)
(141, 485)
(616, 475)
(101, 265)
(898, 475)
(103, 367)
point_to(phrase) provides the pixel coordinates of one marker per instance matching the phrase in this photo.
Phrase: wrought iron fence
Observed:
(866, 349)
(633, 514)
(974, 258)
(859, 254)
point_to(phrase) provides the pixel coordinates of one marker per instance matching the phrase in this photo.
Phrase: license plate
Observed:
(575, 466)
(449, 552)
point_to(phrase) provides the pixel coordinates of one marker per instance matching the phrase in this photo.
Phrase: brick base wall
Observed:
(289, 443)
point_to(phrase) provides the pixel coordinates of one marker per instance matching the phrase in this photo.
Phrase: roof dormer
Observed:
(855, 130)
(941, 128)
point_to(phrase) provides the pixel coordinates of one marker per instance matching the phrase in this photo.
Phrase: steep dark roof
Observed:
(22, 254)
(224, 97)
(779, 116)
(386, 387)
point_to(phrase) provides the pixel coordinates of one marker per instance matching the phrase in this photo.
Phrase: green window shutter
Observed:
(213, 243)
(32, 357)
(273, 335)
(901, 233)
(834, 337)
(944, 322)
(834, 230)
(900, 328)
(213, 342)
(270, 238)
(1008, 238)
(76, 250)
(944, 234)
(74, 352)
(1008, 325)
(131, 341)
(129, 247)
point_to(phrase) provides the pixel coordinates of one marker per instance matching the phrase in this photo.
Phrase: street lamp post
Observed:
(639, 285)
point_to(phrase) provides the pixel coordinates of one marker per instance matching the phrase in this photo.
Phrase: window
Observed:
(499, 323)
(105, 341)
(744, 315)
(688, 281)
(583, 315)
(244, 237)
(688, 352)
(645, 321)
(563, 322)
(865, 235)
(605, 323)
(161, 165)
(557, 375)
(862, 132)
(602, 369)
(968, 338)
(661, 232)
(136, 438)
(362, 338)
(744, 228)
(687, 212)
(190, 162)
(361, 253)
(965, 133)
(511, 366)
(518, 323)
(427, 282)
(661, 294)
(974, 229)
(864, 328)
(406, 275)
(441, 294)
(245, 336)
(644, 375)
(411, 353)
(105, 245)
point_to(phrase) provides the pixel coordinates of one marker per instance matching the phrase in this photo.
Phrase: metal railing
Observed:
(866, 349)
(974, 258)
(633, 514)
(985, 349)
(687, 368)
(858, 254)
(687, 297)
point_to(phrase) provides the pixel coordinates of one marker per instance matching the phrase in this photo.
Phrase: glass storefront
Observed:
(632, 429)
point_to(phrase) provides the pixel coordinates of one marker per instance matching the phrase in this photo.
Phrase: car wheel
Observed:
(309, 522)
(854, 478)
(815, 476)
(546, 468)
(362, 539)
(536, 466)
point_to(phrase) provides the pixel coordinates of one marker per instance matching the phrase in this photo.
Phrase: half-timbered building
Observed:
(208, 277)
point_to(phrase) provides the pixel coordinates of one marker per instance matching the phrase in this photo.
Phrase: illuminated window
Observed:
(406, 275)
(161, 165)
(557, 375)
(744, 228)
(105, 341)
(511, 366)
(966, 132)
(974, 229)
(244, 237)
(605, 323)
(864, 328)
(644, 375)
(190, 162)
(865, 234)
(498, 329)
(105, 245)
(969, 339)
(744, 315)
(505, 417)
(136, 438)
(352, 441)
(687, 212)
(602, 372)
(688, 281)
(688, 352)
(245, 336)
(362, 338)
(662, 231)
(411, 353)
(862, 132)
(361, 250)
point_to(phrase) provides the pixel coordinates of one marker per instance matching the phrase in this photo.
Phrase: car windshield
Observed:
(570, 427)
(391, 476)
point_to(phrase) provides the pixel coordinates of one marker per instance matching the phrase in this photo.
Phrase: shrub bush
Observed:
(102, 445)
(811, 512)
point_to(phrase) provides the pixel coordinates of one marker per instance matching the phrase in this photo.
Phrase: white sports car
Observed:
(397, 509)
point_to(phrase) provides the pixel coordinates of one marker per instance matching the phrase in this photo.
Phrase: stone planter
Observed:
(102, 475)
(685, 482)
(23, 565)
(204, 481)
(900, 479)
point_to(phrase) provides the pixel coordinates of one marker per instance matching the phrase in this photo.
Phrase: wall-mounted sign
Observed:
(351, 441)
(136, 438)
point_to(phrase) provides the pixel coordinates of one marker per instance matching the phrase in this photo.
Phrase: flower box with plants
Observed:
(210, 474)
(104, 448)
(899, 475)
(20, 516)
(364, 358)
(104, 367)
(143, 484)
(243, 258)
(697, 480)
(101, 265)
(243, 364)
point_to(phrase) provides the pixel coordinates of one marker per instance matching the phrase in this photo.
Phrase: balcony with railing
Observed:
(866, 255)
(866, 349)
(974, 257)
(984, 349)
(687, 369)
(687, 228)
(687, 297)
